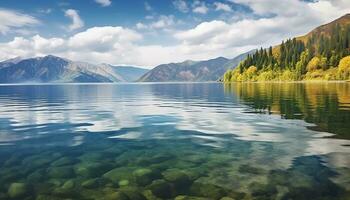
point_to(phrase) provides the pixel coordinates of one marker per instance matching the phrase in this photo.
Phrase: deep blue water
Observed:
(175, 141)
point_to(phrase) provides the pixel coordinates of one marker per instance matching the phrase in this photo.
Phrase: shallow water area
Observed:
(175, 141)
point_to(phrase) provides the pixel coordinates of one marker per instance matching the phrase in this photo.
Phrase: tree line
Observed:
(321, 56)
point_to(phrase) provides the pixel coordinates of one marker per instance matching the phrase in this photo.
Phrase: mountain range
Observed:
(207, 70)
(55, 69)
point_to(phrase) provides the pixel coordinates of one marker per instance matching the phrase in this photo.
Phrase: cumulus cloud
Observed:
(141, 25)
(13, 20)
(114, 45)
(199, 7)
(97, 44)
(163, 22)
(181, 5)
(77, 22)
(292, 18)
(120, 45)
(222, 7)
(103, 39)
(104, 3)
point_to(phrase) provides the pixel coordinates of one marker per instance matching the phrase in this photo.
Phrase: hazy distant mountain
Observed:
(9, 62)
(208, 70)
(130, 73)
(55, 69)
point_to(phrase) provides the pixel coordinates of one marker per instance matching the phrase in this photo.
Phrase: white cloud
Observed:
(292, 18)
(222, 6)
(120, 45)
(103, 39)
(199, 7)
(96, 45)
(148, 7)
(104, 3)
(114, 45)
(141, 26)
(77, 22)
(164, 22)
(11, 19)
(181, 5)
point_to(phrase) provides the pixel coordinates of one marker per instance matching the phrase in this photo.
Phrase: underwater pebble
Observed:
(17, 190)
(91, 183)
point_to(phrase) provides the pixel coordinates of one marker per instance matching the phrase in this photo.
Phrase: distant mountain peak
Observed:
(189, 70)
(51, 68)
(13, 60)
(53, 57)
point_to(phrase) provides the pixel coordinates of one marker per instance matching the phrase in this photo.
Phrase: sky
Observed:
(151, 32)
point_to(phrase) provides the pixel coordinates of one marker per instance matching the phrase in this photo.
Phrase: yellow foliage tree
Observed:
(344, 68)
(250, 74)
(316, 63)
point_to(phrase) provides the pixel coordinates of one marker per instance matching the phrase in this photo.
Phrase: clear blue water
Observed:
(175, 141)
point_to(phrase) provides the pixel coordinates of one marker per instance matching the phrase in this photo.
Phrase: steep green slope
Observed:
(322, 54)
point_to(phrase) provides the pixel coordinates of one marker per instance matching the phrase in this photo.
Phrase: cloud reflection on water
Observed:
(201, 112)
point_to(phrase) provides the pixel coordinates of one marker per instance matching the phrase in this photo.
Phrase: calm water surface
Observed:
(175, 141)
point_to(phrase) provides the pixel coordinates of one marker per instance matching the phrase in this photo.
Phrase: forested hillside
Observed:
(323, 54)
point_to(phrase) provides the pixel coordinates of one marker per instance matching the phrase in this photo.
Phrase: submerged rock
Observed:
(117, 196)
(47, 197)
(2, 196)
(36, 176)
(183, 197)
(55, 182)
(207, 190)
(133, 193)
(61, 172)
(260, 190)
(91, 183)
(91, 156)
(248, 169)
(36, 161)
(161, 188)
(178, 178)
(150, 196)
(153, 159)
(11, 174)
(123, 183)
(66, 190)
(68, 185)
(63, 161)
(145, 176)
(226, 198)
(195, 158)
(92, 170)
(17, 190)
(118, 174)
(14, 160)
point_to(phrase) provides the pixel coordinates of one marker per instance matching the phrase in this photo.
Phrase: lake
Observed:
(175, 141)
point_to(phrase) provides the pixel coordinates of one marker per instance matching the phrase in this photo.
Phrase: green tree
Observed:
(302, 63)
